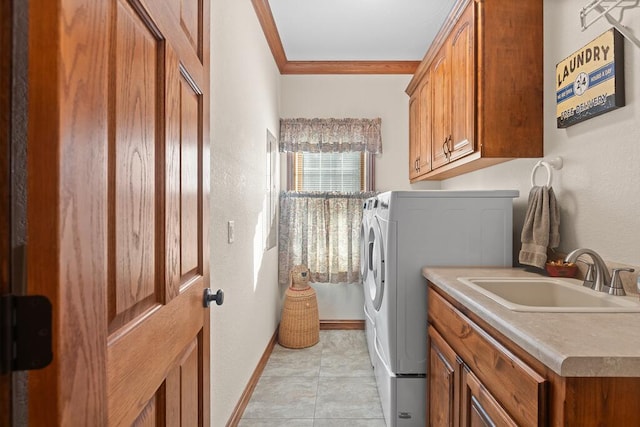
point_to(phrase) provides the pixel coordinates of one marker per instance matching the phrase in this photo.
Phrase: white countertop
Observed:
(571, 344)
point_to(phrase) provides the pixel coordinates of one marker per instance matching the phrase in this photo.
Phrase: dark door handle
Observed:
(209, 296)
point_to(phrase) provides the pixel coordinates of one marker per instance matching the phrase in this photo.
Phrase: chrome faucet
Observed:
(601, 279)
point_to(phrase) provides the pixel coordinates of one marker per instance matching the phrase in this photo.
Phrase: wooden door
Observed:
(479, 408)
(118, 184)
(6, 25)
(443, 383)
(441, 107)
(462, 86)
(424, 165)
(414, 136)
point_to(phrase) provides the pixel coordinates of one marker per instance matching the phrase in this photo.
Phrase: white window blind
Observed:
(341, 172)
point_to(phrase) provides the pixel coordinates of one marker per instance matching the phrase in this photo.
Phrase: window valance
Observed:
(330, 135)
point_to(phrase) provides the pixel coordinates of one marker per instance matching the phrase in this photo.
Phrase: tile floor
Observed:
(328, 385)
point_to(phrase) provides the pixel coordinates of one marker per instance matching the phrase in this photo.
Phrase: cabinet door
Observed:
(461, 44)
(443, 385)
(478, 407)
(441, 108)
(414, 135)
(424, 159)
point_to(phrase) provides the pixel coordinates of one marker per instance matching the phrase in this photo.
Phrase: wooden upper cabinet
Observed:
(414, 135)
(441, 109)
(420, 132)
(424, 162)
(462, 86)
(486, 77)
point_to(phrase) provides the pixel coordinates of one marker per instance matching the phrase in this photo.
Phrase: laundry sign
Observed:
(590, 81)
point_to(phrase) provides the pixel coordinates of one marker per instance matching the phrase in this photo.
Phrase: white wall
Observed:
(244, 104)
(598, 188)
(356, 96)
(360, 96)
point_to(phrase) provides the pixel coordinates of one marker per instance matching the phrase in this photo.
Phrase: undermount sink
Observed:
(549, 295)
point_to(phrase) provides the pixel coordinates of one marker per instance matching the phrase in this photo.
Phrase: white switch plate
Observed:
(231, 231)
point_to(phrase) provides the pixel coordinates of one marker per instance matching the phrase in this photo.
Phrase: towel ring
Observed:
(554, 163)
(535, 168)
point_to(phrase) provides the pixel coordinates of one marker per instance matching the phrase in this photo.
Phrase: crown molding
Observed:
(263, 11)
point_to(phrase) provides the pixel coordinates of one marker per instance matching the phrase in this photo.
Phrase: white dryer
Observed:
(365, 268)
(410, 230)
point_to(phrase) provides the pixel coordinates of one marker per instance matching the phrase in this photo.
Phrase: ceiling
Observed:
(350, 36)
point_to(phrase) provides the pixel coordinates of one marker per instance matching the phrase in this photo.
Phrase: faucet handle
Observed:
(589, 276)
(616, 287)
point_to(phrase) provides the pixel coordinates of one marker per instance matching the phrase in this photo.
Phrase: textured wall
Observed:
(359, 96)
(244, 104)
(598, 187)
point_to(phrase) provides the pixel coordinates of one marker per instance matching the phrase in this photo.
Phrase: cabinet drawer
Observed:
(519, 389)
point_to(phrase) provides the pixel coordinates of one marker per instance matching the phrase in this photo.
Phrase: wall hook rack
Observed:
(599, 8)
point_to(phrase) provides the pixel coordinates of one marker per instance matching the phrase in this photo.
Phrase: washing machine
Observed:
(365, 268)
(410, 230)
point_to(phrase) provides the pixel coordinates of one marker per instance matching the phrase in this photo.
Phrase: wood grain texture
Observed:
(414, 136)
(136, 139)
(97, 83)
(172, 174)
(191, 23)
(327, 325)
(440, 108)
(443, 383)
(573, 401)
(349, 67)
(438, 41)
(462, 72)
(147, 417)
(479, 408)
(513, 383)
(189, 392)
(190, 148)
(6, 47)
(169, 393)
(263, 11)
(66, 259)
(494, 50)
(425, 132)
(510, 78)
(167, 331)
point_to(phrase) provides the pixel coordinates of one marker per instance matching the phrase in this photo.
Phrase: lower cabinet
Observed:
(473, 379)
(478, 407)
(456, 395)
(478, 377)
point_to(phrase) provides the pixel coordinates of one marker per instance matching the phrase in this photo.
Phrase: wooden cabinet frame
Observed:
(485, 70)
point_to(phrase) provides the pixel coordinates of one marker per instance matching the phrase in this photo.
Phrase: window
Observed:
(347, 172)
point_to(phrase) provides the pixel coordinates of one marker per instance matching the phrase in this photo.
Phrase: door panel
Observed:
(118, 199)
(133, 223)
(190, 154)
(462, 91)
(441, 109)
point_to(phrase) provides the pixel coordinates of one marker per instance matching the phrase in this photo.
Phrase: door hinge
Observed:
(25, 332)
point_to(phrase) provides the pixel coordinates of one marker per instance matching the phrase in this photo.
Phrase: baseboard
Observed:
(342, 324)
(236, 415)
(234, 420)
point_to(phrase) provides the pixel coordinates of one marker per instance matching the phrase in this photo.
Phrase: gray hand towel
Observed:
(541, 227)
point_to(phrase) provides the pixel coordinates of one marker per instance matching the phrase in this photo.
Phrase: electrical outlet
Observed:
(231, 231)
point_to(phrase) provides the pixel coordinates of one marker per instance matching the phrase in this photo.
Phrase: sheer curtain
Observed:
(322, 229)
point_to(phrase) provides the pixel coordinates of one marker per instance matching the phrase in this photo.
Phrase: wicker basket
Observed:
(300, 325)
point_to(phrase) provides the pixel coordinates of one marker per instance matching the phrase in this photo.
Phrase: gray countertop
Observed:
(571, 344)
